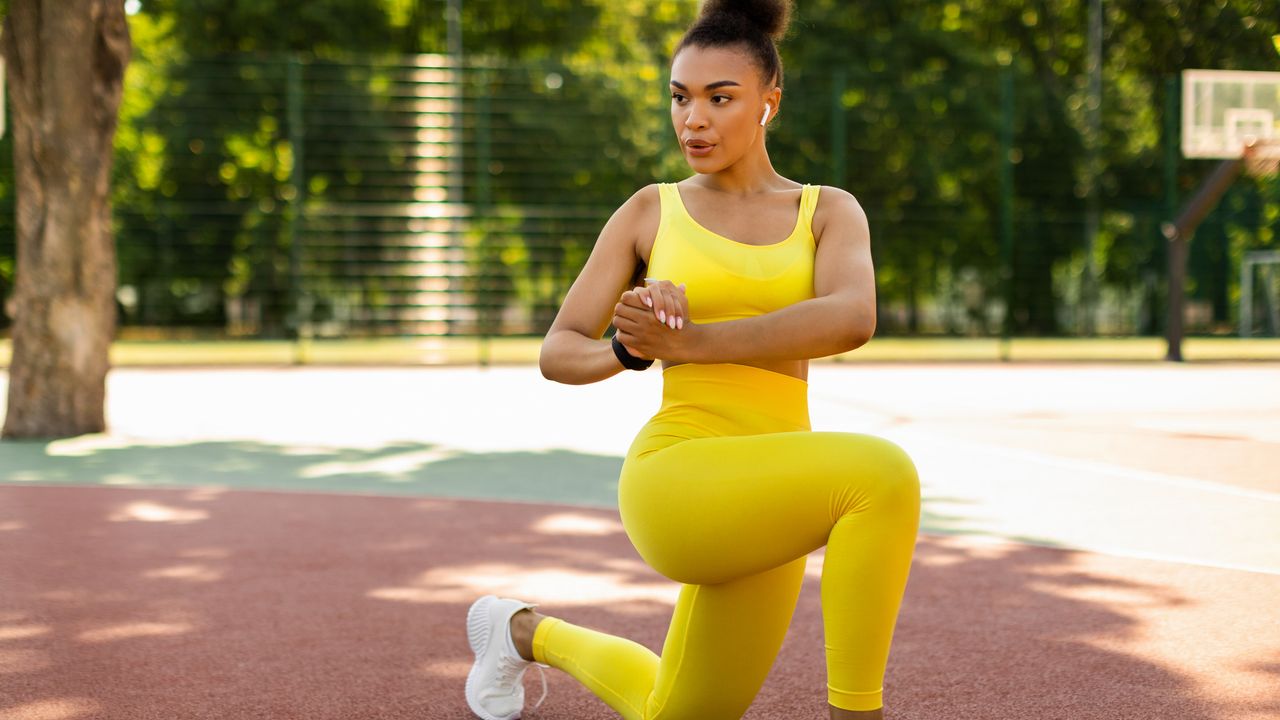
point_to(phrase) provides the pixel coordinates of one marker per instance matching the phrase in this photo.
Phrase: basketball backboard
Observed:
(1225, 110)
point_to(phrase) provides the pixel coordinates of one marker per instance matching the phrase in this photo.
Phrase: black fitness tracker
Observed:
(629, 361)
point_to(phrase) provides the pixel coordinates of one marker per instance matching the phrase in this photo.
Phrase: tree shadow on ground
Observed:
(399, 468)
(204, 603)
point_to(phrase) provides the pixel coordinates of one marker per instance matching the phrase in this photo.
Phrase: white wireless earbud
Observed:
(765, 117)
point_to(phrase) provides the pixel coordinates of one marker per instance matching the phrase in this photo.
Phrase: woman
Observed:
(726, 489)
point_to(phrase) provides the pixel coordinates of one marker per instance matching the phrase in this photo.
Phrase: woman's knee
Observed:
(902, 469)
(891, 479)
(901, 477)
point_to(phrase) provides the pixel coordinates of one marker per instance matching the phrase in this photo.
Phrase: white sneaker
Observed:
(495, 687)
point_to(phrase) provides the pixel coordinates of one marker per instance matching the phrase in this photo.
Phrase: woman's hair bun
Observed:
(770, 16)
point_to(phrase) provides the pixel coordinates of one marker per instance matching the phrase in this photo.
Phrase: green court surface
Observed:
(499, 351)
(1151, 460)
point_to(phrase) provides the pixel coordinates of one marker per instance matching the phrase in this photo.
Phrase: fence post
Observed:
(1172, 93)
(1246, 297)
(838, 128)
(1006, 202)
(484, 199)
(1093, 168)
(297, 188)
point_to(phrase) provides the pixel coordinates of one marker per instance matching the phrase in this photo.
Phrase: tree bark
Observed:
(65, 62)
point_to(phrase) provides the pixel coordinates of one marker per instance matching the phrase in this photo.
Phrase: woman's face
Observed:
(716, 105)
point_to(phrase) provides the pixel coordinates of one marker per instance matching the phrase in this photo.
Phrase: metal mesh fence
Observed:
(400, 196)
(277, 196)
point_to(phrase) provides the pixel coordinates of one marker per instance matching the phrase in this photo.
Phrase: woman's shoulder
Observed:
(638, 218)
(834, 194)
(836, 199)
(645, 198)
(642, 203)
(836, 206)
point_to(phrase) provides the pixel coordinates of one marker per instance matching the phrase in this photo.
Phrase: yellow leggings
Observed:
(726, 490)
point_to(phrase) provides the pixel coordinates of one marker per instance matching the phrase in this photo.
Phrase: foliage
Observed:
(563, 104)
(923, 111)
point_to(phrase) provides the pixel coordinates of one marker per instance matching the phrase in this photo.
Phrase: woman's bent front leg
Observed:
(754, 502)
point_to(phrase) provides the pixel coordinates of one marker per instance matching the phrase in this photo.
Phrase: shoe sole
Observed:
(478, 635)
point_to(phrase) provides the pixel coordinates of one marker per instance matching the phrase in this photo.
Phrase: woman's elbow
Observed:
(558, 363)
(547, 365)
(851, 321)
(546, 359)
(859, 332)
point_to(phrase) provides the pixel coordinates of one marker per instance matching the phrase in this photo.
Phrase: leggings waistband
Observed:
(730, 391)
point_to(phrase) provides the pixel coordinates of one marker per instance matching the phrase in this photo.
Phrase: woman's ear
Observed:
(773, 99)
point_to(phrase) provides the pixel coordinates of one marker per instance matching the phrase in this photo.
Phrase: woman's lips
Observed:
(699, 149)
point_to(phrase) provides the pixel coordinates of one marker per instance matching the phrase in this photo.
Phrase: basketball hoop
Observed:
(1262, 157)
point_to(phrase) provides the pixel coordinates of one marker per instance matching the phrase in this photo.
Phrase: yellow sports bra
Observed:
(728, 280)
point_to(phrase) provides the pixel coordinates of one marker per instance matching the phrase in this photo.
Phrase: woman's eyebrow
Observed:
(711, 86)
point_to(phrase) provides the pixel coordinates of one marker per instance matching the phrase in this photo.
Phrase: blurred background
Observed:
(417, 182)
(374, 171)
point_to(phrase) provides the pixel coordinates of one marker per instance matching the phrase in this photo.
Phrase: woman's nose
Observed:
(695, 119)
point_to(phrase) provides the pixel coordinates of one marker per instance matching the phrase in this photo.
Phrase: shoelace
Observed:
(510, 670)
(543, 675)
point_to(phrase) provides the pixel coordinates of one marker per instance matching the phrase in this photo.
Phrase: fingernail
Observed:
(648, 301)
(671, 323)
(679, 323)
(662, 316)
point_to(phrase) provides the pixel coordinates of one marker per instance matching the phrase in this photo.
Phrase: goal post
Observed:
(1264, 263)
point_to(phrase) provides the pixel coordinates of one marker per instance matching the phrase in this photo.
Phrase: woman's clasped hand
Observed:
(651, 320)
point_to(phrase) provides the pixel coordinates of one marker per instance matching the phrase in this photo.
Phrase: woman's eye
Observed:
(677, 97)
(725, 98)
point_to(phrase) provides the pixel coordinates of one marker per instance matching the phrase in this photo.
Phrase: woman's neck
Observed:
(752, 174)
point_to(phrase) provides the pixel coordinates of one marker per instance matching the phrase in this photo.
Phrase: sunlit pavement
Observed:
(1152, 461)
(1097, 542)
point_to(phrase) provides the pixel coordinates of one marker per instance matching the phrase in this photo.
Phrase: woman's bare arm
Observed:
(573, 351)
(841, 316)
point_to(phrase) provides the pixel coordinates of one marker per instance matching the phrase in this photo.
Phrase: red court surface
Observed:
(203, 603)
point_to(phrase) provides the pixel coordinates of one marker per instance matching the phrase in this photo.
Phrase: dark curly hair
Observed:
(755, 25)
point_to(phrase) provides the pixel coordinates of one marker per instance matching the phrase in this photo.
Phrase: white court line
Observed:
(1099, 468)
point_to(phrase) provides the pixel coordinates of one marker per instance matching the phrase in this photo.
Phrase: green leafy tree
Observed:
(561, 112)
(213, 154)
(921, 109)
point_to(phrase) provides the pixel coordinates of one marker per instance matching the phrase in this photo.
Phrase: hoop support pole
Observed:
(1179, 233)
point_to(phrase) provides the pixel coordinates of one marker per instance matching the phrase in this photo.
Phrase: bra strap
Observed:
(670, 200)
(808, 204)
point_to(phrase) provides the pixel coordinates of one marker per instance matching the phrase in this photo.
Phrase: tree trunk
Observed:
(65, 62)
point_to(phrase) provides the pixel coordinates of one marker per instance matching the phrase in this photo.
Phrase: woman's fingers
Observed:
(629, 315)
(638, 331)
(677, 305)
(669, 304)
(643, 296)
(637, 298)
(684, 306)
(659, 301)
(662, 300)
